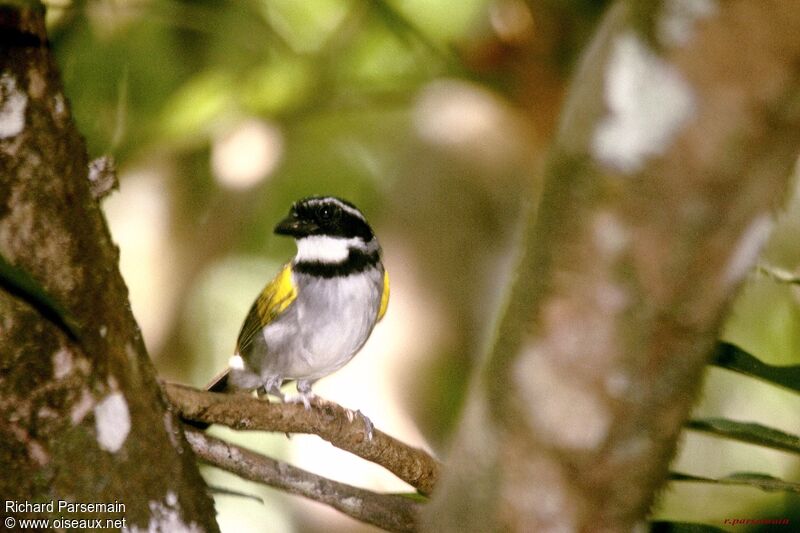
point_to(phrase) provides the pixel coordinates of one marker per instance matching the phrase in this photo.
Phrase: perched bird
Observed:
(320, 309)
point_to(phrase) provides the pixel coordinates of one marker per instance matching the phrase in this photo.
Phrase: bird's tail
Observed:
(220, 383)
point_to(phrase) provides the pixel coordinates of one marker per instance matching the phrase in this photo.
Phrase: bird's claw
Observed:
(306, 398)
(271, 386)
(368, 425)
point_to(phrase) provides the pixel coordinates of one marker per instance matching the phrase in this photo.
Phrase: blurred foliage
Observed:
(434, 118)
(169, 73)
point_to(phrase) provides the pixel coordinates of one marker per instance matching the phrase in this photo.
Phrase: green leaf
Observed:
(203, 101)
(733, 358)
(20, 284)
(403, 28)
(749, 479)
(748, 432)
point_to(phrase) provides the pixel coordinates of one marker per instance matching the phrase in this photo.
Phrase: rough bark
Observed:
(82, 420)
(675, 145)
(331, 422)
(391, 512)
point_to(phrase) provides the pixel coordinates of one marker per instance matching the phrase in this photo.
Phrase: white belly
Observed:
(330, 321)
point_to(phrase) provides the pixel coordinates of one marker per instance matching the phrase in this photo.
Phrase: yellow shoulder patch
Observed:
(384, 295)
(276, 296)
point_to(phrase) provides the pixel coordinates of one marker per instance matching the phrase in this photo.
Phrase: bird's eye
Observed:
(326, 213)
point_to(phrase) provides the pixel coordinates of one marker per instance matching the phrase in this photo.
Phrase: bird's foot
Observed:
(306, 398)
(272, 386)
(306, 395)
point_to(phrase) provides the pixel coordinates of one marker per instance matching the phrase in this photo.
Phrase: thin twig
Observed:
(778, 274)
(328, 420)
(387, 511)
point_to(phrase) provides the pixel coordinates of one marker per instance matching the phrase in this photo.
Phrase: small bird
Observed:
(319, 310)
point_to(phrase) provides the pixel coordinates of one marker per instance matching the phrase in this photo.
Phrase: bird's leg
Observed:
(306, 395)
(272, 385)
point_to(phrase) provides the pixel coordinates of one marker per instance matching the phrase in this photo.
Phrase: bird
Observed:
(316, 314)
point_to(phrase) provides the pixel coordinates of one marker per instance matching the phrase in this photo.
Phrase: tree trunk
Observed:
(83, 420)
(676, 143)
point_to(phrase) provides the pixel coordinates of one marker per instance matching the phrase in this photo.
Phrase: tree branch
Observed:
(325, 419)
(387, 511)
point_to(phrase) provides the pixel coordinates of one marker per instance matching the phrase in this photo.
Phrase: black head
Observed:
(324, 215)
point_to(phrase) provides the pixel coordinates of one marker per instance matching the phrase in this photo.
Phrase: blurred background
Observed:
(434, 117)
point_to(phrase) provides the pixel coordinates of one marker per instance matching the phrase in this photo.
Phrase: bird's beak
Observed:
(295, 227)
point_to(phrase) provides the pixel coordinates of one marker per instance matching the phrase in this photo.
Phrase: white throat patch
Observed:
(326, 249)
